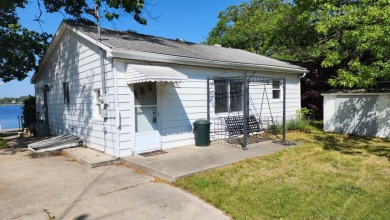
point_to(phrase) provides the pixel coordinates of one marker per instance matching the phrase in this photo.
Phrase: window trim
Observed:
(276, 87)
(97, 104)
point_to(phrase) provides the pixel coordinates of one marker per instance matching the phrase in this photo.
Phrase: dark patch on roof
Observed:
(132, 41)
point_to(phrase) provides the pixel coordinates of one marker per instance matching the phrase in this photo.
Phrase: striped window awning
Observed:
(147, 73)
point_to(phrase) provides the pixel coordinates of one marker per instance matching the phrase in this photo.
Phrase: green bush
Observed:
(302, 125)
(29, 112)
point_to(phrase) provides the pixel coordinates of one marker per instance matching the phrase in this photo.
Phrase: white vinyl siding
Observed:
(77, 62)
(181, 105)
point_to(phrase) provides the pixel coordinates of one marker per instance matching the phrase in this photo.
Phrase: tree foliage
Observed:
(12, 100)
(21, 48)
(344, 42)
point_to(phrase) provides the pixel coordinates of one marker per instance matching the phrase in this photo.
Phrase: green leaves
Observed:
(348, 40)
(22, 49)
(359, 32)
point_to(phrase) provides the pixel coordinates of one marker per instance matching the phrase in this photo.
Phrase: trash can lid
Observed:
(201, 122)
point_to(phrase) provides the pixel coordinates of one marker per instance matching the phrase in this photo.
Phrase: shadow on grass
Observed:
(11, 143)
(354, 145)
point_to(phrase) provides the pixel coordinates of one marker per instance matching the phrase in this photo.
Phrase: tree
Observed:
(342, 43)
(21, 49)
(345, 41)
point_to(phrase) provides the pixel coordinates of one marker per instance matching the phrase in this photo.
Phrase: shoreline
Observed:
(11, 104)
(8, 130)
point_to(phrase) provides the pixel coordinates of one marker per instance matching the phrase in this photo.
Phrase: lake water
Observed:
(8, 116)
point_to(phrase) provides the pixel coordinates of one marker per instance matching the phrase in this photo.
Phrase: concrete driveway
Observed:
(57, 186)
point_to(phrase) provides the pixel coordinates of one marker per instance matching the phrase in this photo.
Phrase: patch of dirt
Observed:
(250, 140)
(139, 171)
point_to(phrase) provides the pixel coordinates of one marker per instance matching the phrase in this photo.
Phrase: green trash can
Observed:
(202, 132)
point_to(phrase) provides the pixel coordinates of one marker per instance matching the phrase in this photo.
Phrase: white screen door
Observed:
(146, 117)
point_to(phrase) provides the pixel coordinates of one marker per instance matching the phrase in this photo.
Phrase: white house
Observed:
(153, 88)
(358, 112)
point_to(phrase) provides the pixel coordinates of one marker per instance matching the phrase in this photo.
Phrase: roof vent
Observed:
(217, 45)
(180, 40)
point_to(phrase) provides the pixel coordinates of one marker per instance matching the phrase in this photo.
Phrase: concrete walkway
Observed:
(58, 186)
(188, 160)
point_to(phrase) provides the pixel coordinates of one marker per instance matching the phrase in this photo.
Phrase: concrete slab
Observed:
(39, 187)
(90, 157)
(188, 160)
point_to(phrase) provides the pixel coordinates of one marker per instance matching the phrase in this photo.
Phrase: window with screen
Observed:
(228, 95)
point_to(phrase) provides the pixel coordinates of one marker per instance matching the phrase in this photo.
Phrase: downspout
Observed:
(284, 109)
(103, 76)
(117, 111)
(102, 71)
(303, 75)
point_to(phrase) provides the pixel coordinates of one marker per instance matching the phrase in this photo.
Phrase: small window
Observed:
(66, 93)
(97, 112)
(276, 89)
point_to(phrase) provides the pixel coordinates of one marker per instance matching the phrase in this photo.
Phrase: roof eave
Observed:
(57, 36)
(163, 58)
(56, 39)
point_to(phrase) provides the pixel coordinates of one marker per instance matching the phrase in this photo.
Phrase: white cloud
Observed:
(1, 83)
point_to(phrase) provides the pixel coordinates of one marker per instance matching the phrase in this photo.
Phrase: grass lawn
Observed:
(331, 176)
(2, 143)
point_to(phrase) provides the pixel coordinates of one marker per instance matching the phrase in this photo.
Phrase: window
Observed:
(97, 112)
(235, 96)
(66, 93)
(276, 89)
(228, 94)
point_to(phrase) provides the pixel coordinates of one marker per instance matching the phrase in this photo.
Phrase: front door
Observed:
(146, 117)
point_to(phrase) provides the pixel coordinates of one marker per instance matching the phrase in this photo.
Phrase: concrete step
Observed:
(90, 157)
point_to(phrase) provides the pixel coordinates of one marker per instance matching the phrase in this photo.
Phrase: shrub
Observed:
(29, 112)
(297, 124)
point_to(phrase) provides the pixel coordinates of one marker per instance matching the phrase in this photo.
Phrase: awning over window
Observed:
(146, 73)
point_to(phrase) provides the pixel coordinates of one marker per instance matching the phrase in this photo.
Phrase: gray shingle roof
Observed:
(128, 40)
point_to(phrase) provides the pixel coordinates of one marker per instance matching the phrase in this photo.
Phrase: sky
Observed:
(190, 20)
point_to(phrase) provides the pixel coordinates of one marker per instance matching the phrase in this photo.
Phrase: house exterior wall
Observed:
(359, 114)
(77, 61)
(183, 103)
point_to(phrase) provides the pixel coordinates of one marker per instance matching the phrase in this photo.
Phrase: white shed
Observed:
(155, 87)
(359, 112)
